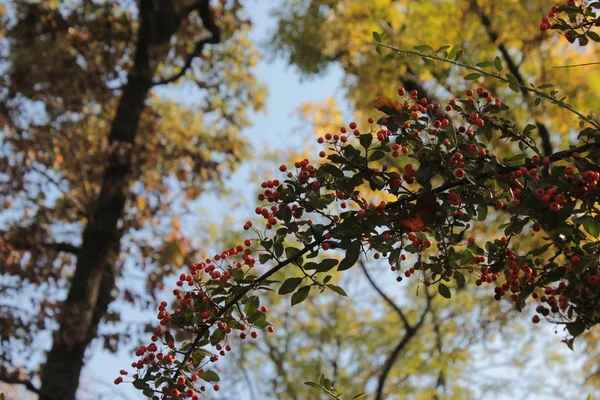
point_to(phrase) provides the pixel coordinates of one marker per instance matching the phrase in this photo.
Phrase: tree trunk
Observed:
(94, 279)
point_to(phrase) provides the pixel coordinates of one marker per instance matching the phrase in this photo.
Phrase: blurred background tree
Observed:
(99, 166)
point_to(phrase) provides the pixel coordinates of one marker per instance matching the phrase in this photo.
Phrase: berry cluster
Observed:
(405, 190)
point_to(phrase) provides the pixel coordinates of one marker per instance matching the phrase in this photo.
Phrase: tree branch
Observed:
(28, 245)
(514, 70)
(14, 378)
(208, 20)
(391, 302)
(408, 335)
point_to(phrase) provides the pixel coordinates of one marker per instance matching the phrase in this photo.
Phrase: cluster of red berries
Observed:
(546, 20)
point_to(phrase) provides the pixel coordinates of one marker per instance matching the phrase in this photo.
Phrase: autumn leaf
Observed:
(388, 106)
(423, 216)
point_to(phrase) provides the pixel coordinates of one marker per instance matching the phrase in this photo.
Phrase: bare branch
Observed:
(208, 20)
(15, 378)
(28, 245)
(385, 297)
(408, 335)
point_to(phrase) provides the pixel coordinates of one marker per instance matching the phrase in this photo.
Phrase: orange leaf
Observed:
(413, 223)
(386, 105)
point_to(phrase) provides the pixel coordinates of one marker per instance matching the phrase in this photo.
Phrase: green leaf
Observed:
(291, 252)
(473, 76)
(389, 57)
(139, 384)
(209, 376)
(376, 155)
(460, 279)
(352, 254)
(359, 396)
(289, 285)
(428, 61)
(263, 258)
(326, 265)
(377, 37)
(444, 291)
(442, 49)
(251, 305)
(423, 48)
(331, 170)
(482, 212)
(453, 52)
(592, 227)
(218, 335)
(365, 139)
(338, 290)
(576, 328)
(512, 79)
(313, 384)
(300, 295)
(498, 64)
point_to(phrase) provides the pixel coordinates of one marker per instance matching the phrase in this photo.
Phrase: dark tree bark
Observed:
(94, 280)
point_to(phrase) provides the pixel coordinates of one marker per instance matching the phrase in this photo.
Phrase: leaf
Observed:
(387, 106)
(498, 64)
(460, 279)
(412, 223)
(337, 289)
(251, 305)
(389, 57)
(289, 285)
(359, 396)
(263, 258)
(424, 215)
(482, 212)
(300, 295)
(326, 265)
(444, 291)
(209, 376)
(291, 252)
(352, 254)
(313, 384)
(453, 52)
(331, 170)
(473, 76)
(377, 37)
(512, 79)
(428, 61)
(592, 227)
(576, 328)
(139, 384)
(376, 155)
(423, 48)
(365, 140)
(442, 49)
